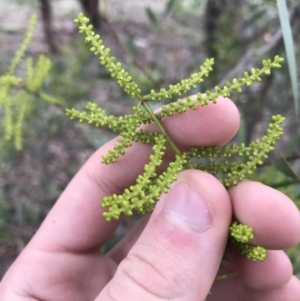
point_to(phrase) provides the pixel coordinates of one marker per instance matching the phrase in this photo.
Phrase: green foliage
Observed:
(20, 53)
(36, 73)
(16, 93)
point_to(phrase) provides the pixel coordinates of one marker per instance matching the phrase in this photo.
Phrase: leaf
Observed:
(169, 7)
(131, 45)
(284, 167)
(284, 183)
(242, 131)
(289, 49)
(151, 16)
(293, 145)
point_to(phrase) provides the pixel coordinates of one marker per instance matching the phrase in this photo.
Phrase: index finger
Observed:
(75, 223)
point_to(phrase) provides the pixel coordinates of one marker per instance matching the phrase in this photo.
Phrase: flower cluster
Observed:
(13, 121)
(240, 232)
(35, 74)
(231, 172)
(16, 93)
(241, 236)
(184, 85)
(219, 161)
(115, 69)
(20, 53)
(142, 196)
(254, 253)
(191, 102)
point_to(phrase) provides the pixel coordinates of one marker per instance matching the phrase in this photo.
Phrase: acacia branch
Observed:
(38, 94)
(289, 158)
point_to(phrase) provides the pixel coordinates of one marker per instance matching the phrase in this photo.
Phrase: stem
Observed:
(158, 122)
(22, 86)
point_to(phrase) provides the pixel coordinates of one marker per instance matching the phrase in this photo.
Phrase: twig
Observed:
(289, 158)
(39, 95)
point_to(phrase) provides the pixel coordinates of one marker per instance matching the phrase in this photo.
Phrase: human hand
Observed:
(175, 253)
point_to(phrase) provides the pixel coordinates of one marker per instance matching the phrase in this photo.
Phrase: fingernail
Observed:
(185, 202)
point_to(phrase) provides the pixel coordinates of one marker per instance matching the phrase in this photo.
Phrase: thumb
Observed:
(179, 252)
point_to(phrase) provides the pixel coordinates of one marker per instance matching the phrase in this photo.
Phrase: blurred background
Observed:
(159, 43)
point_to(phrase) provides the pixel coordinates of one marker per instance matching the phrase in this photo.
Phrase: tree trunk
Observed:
(90, 9)
(47, 20)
